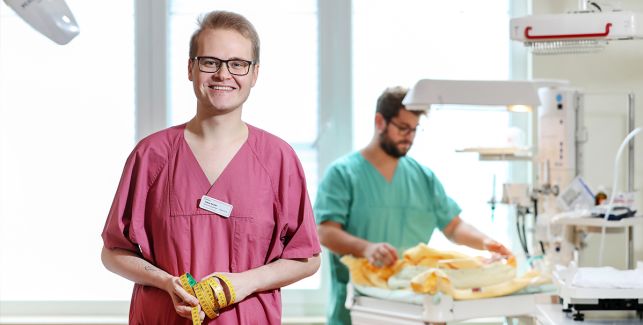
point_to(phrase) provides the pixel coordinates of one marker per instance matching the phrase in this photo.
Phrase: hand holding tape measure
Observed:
(214, 293)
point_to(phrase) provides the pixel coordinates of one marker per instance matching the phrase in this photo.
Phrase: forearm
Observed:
(340, 242)
(281, 273)
(465, 234)
(134, 268)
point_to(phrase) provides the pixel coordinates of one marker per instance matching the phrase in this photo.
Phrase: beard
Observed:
(391, 148)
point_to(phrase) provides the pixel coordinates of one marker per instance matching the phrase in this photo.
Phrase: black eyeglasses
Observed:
(405, 130)
(211, 64)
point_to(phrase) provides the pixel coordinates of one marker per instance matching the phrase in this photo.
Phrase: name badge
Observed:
(213, 205)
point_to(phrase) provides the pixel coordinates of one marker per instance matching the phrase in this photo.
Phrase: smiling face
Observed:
(221, 92)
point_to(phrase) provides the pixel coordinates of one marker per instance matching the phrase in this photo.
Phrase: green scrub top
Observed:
(402, 212)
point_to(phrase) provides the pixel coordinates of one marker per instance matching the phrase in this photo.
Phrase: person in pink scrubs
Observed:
(214, 195)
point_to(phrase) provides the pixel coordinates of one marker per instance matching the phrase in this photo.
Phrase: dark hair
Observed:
(389, 103)
(226, 20)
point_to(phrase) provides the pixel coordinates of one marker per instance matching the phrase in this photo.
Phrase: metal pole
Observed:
(630, 247)
(630, 152)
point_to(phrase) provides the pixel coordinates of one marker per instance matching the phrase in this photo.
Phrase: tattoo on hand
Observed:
(150, 268)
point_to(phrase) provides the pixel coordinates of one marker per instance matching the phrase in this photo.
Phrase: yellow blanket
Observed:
(426, 270)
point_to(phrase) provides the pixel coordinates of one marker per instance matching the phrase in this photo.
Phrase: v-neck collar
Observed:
(376, 171)
(203, 177)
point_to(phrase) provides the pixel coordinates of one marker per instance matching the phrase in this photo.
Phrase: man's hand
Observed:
(496, 247)
(183, 301)
(380, 254)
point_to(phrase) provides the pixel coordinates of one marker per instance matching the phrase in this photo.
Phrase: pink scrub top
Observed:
(155, 214)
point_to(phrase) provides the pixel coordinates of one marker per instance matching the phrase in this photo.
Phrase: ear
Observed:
(255, 74)
(380, 122)
(190, 65)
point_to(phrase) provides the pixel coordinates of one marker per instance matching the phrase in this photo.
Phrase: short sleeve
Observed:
(124, 227)
(446, 209)
(300, 239)
(333, 197)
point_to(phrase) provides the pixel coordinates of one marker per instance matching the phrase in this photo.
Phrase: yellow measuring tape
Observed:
(210, 293)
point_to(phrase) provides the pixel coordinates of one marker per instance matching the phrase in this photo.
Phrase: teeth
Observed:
(221, 87)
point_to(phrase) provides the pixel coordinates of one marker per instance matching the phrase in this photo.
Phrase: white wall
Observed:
(617, 69)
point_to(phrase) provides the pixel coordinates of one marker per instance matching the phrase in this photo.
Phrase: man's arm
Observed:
(334, 237)
(463, 233)
(132, 267)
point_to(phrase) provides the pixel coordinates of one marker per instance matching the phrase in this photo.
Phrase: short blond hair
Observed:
(226, 20)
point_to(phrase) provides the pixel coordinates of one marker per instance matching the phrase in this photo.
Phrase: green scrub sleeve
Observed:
(446, 208)
(333, 197)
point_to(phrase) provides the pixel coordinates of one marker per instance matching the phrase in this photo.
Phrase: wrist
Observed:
(253, 281)
(168, 282)
(364, 249)
(486, 243)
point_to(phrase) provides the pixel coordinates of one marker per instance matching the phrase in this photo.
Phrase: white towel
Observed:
(608, 278)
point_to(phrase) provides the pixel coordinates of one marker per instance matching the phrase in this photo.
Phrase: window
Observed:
(398, 43)
(66, 126)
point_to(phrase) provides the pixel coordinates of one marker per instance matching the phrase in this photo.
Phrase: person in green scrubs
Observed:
(377, 202)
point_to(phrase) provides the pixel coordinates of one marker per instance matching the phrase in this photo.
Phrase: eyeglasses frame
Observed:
(403, 130)
(197, 58)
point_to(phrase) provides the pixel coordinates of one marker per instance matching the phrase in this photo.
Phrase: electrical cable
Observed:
(627, 139)
(522, 245)
(535, 201)
(520, 229)
(596, 5)
(524, 235)
(540, 242)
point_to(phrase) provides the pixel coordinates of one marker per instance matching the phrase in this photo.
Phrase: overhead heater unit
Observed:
(575, 32)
